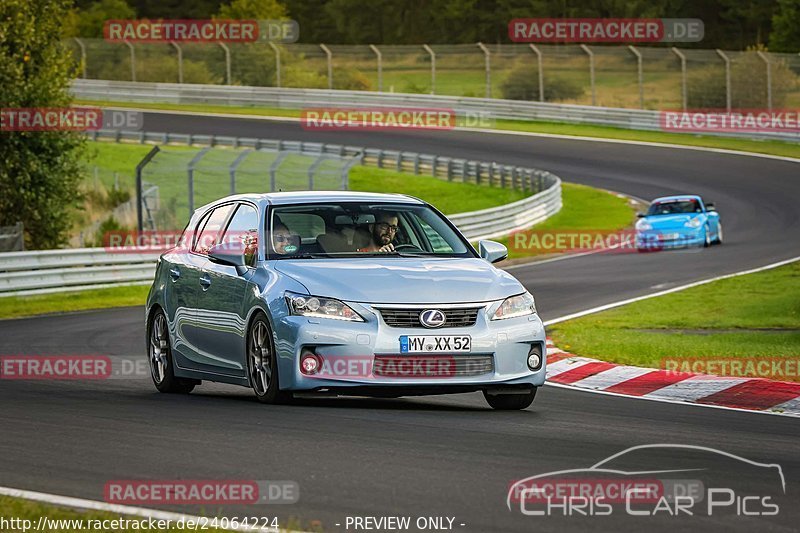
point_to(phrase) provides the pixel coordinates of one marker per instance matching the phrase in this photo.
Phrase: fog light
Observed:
(309, 364)
(535, 357)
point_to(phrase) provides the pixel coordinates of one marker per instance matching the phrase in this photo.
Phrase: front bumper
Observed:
(506, 342)
(658, 240)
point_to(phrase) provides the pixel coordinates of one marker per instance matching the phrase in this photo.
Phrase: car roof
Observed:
(295, 197)
(677, 197)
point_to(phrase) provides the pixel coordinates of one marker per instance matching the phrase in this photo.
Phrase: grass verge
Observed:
(779, 148)
(24, 515)
(751, 316)
(63, 302)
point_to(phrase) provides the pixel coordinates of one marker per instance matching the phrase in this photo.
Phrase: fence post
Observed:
(190, 175)
(684, 93)
(765, 58)
(83, 55)
(145, 160)
(727, 78)
(227, 62)
(380, 66)
(539, 64)
(433, 67)
(487, 58)
(273, 169)
(236, 162)
(591, 72)
(180, 60)
(640, 74)
(133, 60)
(330, 64)
(277, 63)
(313, 168)
(357, 159)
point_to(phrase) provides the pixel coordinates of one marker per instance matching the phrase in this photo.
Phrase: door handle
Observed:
(205, 281)
(174, 273)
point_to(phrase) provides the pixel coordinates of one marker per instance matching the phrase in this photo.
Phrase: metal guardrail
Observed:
(86, 268)
(635, 119)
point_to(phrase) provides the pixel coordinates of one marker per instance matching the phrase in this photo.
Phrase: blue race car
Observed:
(678, 222)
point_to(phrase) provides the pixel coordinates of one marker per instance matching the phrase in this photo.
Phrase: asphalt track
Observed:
(439, 456)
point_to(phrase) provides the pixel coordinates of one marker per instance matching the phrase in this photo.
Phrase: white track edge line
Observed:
(668, 291)
(503, 132)
(92, 505)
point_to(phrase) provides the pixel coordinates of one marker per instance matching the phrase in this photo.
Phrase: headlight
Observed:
(694, 222)
(316, 306)
(515, 306)
(643, 225)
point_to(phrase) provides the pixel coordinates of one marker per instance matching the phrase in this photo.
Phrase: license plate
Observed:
(669, 236)
(435, 343)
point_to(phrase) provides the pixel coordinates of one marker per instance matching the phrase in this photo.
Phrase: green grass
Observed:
(584, 208)
(63, 302)
(756, 315)
(779, 148)
(18, 508)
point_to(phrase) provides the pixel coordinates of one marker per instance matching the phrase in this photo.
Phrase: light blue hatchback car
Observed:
(341, 293)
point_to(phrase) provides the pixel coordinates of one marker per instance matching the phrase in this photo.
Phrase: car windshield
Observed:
(674, 207)
(355, 229)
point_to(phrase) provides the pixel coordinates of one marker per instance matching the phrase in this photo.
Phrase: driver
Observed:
(382, 233)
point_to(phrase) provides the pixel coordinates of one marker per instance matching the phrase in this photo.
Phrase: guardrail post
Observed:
(330, 64)
(416, 163)
(380, 158)
(399, 162)
(539, 64)
(765, 58)
(727, 78)
(488, 66)
(277, 64)
(273, 169)
(145, 160)
(433, 165)
(227, 62)
(433, 67)
(236, 162)
(133, 60)
(591, 72)
(684, 93)
(190, 175)
(380, 66)
(83, 55)
(180, 60)
(640, 74)
(450, 169)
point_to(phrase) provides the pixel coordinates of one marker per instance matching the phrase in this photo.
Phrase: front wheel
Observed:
(262, 363)
(718, 240)
(159, 354)
(707, 237)
(510, 402)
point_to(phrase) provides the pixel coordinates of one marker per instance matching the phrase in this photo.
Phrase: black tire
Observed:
(707, 240)
(159, 356)
(510, 402)
(262, 364)
(718, 240)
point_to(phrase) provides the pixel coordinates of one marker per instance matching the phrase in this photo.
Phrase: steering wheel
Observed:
(400, 247)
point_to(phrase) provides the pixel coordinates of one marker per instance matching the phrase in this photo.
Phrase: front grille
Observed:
(463, 317)
(432, 366)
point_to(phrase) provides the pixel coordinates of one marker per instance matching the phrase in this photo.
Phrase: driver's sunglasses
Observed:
(384, 226)
(281, 238)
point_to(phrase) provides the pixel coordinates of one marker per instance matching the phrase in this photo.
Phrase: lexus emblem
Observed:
(432, 318)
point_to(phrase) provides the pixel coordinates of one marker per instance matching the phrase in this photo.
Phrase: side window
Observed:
(242, 232)
(210, 230)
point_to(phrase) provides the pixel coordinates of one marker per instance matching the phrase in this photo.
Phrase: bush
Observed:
(522, 83)
(351, 80)
(706, 89)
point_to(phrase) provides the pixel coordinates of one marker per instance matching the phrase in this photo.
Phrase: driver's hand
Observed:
(386, 248)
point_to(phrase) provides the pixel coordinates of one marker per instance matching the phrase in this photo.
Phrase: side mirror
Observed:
(492, 251)
(640, 215)
(710, 206)
(230, 255)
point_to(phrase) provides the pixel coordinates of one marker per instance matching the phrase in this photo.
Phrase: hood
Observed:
(669, 222)
(402, 280)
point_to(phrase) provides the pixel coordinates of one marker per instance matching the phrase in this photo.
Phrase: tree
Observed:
(89, 22)
(786, 27)
(252, 9)
(39, 171)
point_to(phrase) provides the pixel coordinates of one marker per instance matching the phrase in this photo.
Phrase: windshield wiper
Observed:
(302, 256)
